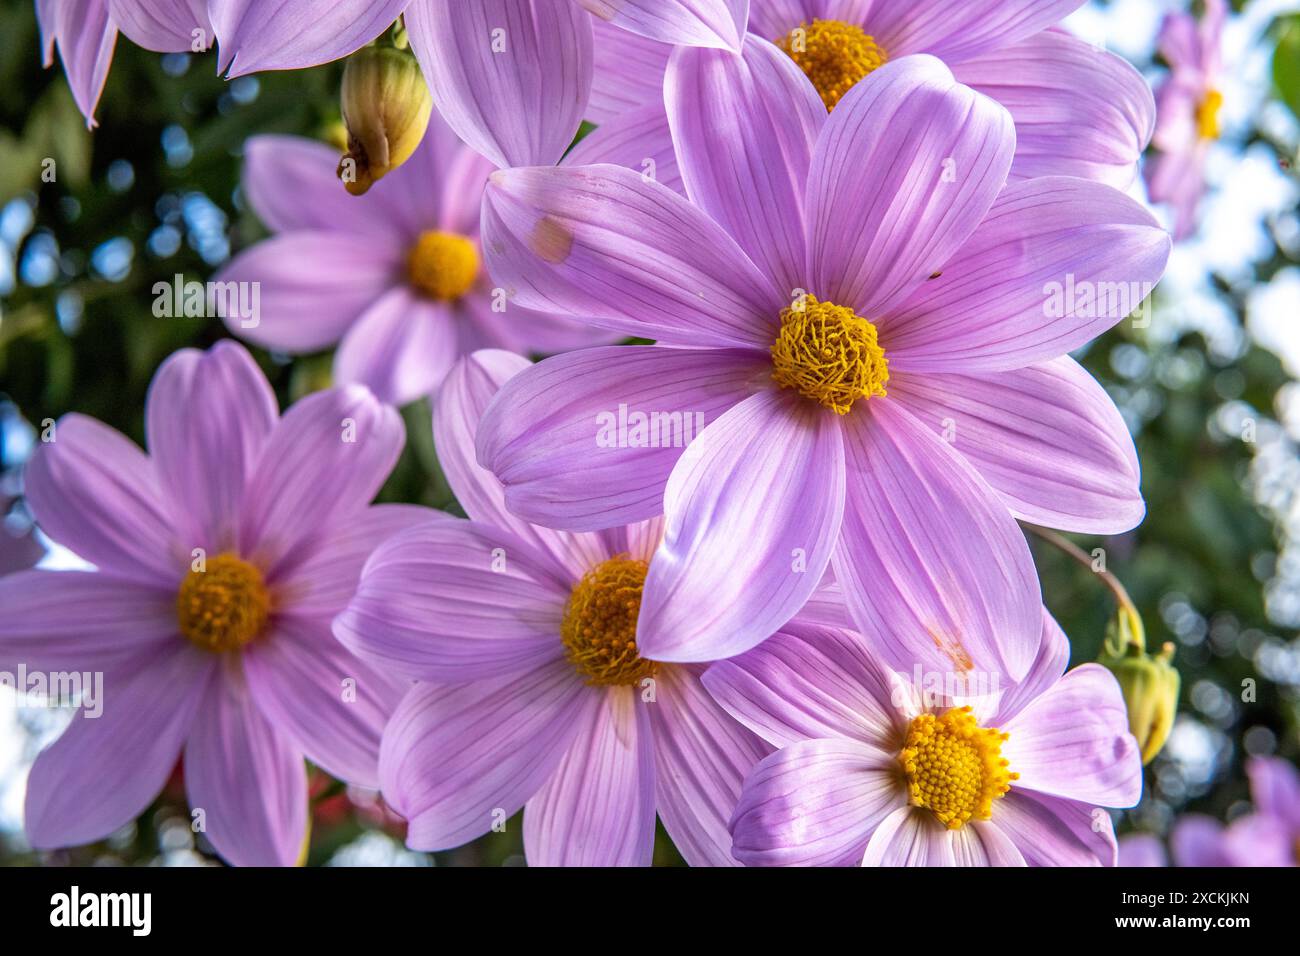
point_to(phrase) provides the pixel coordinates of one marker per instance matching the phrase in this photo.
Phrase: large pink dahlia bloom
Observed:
(873, 328)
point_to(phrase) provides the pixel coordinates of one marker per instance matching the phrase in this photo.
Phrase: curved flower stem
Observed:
(1127, 609)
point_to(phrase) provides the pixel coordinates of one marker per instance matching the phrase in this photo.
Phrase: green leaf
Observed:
(1286, 65)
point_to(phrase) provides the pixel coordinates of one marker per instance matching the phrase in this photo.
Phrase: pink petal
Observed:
(910, 837)
(207, 417)
(598, 808)
(294, 34)
(457, 412)
(627, 254)
(400, 348)
(104, 771)
(981, 843)
(170, 27)
(1046, 437)
(93, 491)
(1142, 850)
(934, 569)
(628, 73)
(905, 169)
(311, 286)
(809, 683)
(1197, 840)
(80, 621)
(571, 437)
(1050, 831)
(1047, 669)
(1074, 742)
(1057, 262)
(639, 140)
(246, 777)
(959, 31)
(774, 19)
(753, 511)
(709, 23)
(1275, 788)
(330, 704)
(322, 464)
(485, 319)
(511, 77)
(467, 392)
(815, 803)
(86, 36)
(321, 584)
(701, 757)
(1055, 86)
(454, 600)
(745, 128)
(458, 758)
(292, 184)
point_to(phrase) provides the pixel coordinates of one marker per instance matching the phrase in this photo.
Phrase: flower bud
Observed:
(386, 106)
(1150, 685)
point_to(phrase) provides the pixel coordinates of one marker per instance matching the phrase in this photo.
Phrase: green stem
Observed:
(1113, 584)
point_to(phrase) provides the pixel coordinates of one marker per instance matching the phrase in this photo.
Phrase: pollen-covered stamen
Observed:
(955, 767)
(1207, 115)
(828, 353)
(833, 54)
(443, 265)
(599, 626)
(224, 606)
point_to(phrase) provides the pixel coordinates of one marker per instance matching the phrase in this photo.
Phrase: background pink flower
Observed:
(221, 557)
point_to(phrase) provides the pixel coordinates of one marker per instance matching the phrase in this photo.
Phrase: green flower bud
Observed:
(386, 106)
(1150, 685)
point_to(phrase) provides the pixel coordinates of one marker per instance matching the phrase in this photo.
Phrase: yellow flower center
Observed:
(442, 265)
(828, 353)
(955, 767)
(833, 54)
(224, 606)
(1207, 115)
(599, 626)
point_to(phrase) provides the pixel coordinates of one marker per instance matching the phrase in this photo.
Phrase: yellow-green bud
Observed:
(1150, 685)
(386, 106)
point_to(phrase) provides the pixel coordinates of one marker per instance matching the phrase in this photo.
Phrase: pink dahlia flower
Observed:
(85, 32)
(872, 332)
(532, 689)
(221, 557)
(873, 769)
(511, 77)
(1188, 102)
(392, 277)
(1078, 110)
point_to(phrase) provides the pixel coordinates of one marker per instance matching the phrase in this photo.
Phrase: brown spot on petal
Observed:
(605, 9)
(551, 240)
(952, 646)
